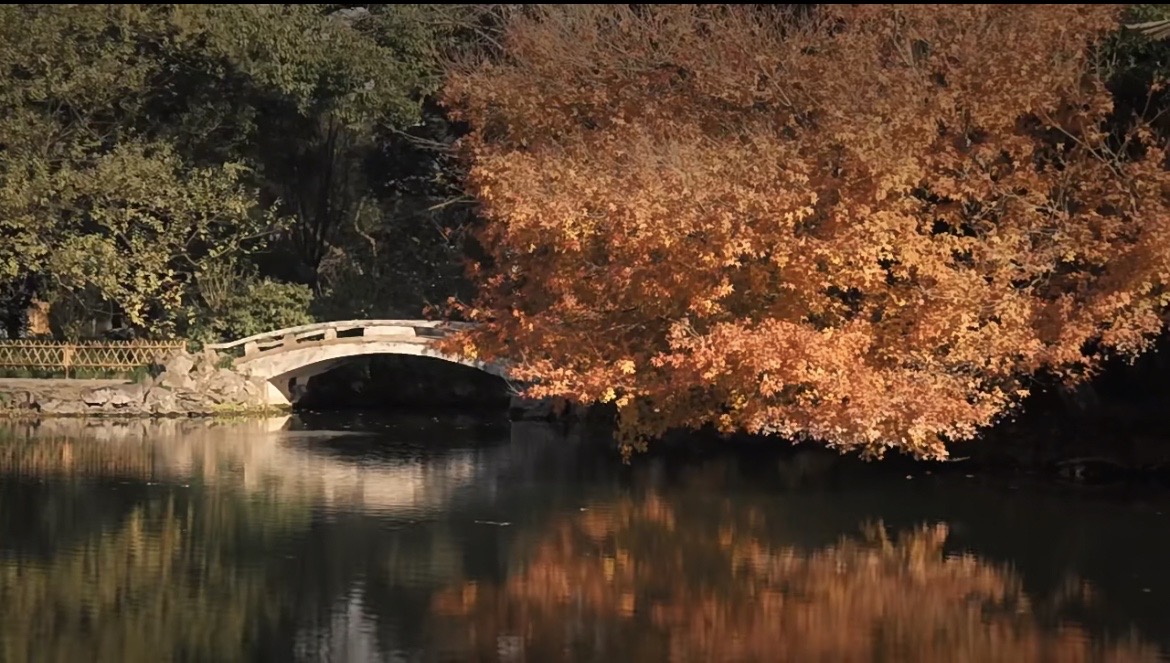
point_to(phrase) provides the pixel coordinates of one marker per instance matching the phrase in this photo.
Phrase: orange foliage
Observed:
(864, 224)
(623, 577)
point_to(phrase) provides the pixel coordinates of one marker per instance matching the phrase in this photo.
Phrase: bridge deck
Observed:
(268, 351)
(348, 331)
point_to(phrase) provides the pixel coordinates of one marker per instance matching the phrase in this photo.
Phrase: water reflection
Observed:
(258, 457)
(424, 539)
(647, 577)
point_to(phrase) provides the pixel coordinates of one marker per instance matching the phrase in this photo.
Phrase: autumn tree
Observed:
(867, 225)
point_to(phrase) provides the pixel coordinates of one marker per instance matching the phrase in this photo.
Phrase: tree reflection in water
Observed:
(627, 578)
(225, 543)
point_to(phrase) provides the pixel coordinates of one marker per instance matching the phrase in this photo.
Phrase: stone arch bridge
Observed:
(287, 358)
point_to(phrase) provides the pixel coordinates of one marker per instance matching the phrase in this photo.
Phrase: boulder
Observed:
(161, 401)
(62, 407)
(18, 400)
(180, 363)
(251, 389)
(195, 407)
(134, 395)
(224, 386)
(177, 381)
(98, 397)
(205, 363)
(125, 397)
(228, 376)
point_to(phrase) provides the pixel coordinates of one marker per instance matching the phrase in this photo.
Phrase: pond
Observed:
(446, 538)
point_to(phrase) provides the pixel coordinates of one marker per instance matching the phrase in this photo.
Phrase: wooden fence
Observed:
(113, 356)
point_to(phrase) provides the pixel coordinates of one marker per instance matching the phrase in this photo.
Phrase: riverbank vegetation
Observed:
(878, 227)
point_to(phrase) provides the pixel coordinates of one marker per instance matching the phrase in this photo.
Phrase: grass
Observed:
(230, 413)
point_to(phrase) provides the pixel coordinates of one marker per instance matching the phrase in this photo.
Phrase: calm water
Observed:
(462, 540)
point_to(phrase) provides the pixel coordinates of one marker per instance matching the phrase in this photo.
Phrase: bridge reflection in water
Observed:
(270, 457)
(390, 539)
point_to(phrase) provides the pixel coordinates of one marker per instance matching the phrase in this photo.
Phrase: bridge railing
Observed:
(422, 330)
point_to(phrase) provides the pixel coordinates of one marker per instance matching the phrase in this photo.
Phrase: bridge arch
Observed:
(287, 358)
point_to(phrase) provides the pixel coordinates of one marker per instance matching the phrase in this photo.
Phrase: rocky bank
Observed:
(193, 385)
(181, 384)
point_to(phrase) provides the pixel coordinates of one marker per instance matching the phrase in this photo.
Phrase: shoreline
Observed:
(1086, 454)
(25, 415)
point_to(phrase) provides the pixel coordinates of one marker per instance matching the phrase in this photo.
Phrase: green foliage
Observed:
(136, 222)
(140, 144)
(405, 246)
(238, 303)
(359, 66)
(264, 305)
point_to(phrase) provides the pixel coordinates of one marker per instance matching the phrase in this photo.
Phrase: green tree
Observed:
(405, 246)
(236, 302)
(141, 145)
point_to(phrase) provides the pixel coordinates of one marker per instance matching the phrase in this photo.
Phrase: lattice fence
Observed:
(95, 355)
